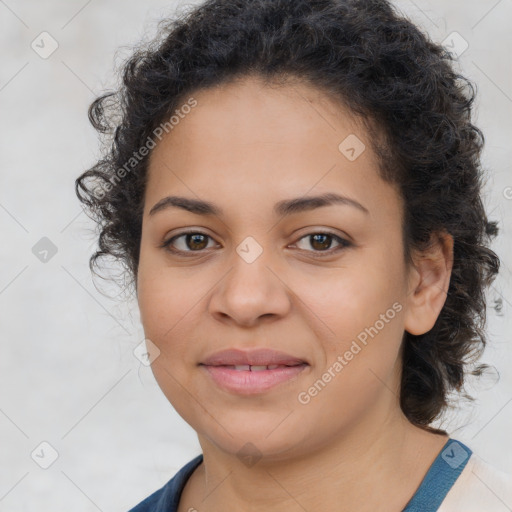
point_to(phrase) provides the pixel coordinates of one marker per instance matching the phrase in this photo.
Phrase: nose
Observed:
(250, 292)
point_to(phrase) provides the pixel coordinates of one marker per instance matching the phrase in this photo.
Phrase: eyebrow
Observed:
(282, 208)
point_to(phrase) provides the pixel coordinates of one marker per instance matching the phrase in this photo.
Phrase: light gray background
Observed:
(68, 375)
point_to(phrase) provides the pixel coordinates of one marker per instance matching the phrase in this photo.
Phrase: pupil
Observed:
(197, 238)
(321, 238)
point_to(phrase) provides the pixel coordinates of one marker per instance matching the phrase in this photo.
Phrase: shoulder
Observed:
(166, 498)
(480, 488)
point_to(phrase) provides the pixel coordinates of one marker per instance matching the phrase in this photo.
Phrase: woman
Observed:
(294, 188)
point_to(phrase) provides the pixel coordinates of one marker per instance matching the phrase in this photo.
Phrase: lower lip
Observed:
(246, 382)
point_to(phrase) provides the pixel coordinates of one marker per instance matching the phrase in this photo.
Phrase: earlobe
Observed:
(429, 285)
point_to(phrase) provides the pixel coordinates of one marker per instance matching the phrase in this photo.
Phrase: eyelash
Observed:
(319, 254)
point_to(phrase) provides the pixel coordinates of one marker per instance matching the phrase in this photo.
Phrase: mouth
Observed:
(254, 358)
(252, 372)
(255, 368)
(253, 379)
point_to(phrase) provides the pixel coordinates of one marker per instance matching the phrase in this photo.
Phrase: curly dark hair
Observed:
(390, 74)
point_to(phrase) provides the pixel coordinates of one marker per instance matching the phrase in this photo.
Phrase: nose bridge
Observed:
(251, 288)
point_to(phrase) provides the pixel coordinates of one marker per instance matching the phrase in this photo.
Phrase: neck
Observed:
(375, 465)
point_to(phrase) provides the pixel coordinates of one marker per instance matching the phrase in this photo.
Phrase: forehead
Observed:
(249, 139)
(252, 111)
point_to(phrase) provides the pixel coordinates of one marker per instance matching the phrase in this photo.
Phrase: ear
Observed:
(428, 283)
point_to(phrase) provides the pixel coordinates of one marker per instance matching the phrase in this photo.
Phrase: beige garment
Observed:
(479, 488)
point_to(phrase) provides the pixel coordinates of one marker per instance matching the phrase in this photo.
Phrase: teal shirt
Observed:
(434, 487)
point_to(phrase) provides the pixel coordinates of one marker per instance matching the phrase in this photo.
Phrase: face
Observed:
(264, 268)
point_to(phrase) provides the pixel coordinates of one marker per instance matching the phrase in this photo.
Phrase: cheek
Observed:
(359, 314)
(361, 367)
(164, 305)
(345, 301)
(165, 311)
(161, 291)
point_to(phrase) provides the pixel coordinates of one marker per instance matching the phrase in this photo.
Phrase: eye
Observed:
(194, 240)
(322, 242)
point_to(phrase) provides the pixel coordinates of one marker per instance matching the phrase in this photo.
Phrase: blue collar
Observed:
(440, 477)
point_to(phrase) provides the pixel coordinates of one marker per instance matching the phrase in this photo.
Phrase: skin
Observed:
(245, 147)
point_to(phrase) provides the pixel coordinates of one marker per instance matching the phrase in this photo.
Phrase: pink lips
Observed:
(252, 371)
(251, 357)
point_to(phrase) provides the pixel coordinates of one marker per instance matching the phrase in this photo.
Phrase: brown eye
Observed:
(196, 241)
(322, 242)
(192, 241)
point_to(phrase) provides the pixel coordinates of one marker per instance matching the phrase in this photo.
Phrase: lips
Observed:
(250, 372)
(255, 368)
(254, 358)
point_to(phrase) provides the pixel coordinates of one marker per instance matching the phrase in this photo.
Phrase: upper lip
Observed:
(254, 357)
